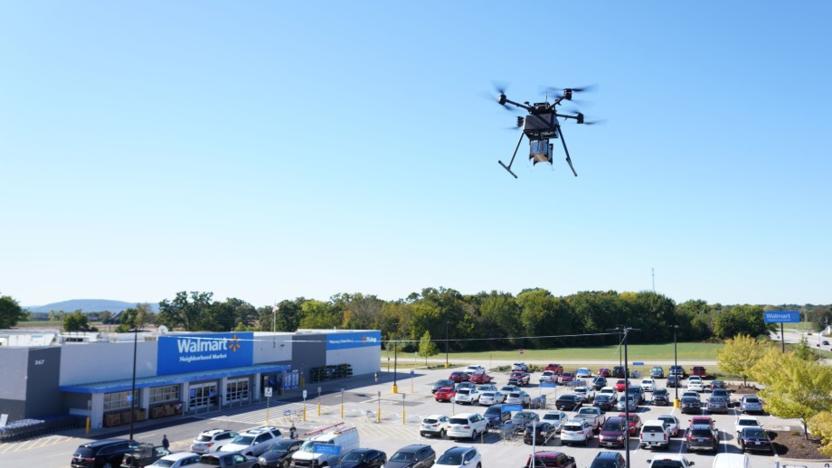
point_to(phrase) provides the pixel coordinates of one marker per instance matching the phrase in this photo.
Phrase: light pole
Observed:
(133, 386)
(274, 318)
(624, 333)
(395, 366)
(675, 367)
(446, 344)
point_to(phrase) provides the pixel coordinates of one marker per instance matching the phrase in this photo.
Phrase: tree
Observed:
(134, 317)
(804, 351)
(799, 389)
(10, 312)
(821, 426)
(319, 314)
(427, 348)
(184, 311)
(741, 319)
(740, 354)
(77, 322)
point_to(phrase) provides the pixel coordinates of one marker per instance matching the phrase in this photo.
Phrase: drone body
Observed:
(541, 125)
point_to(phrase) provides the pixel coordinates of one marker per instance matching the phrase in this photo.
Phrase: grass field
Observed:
(801, 326)
(637, 352)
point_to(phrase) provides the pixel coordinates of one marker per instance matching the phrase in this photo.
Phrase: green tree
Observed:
(741, 319)
(821, 426)
(134, 317)
(740, 354)
(319, 314)
(10, 312)
(804, 351)
(77, 322)
(185, 311)
(427, 347)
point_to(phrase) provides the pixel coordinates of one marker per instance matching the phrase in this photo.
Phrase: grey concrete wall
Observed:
(306, 355)
(16, 409)
(85, 363)
(13, 367)
(365, 360)
(76, 401)
(43, 398)
(270, 348)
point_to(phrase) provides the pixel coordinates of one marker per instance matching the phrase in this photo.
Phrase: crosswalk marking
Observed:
(40, 442)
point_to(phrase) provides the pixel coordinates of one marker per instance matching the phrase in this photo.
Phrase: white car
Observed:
(474, 370)
(491, 398)
(212, 440)
(669, 461)
(585, 392)
(576, 431)
(583, 373)
(745, 421)
(555, 418)
(466, 426)
(518, 398)
(459, 457)
(671, 423)
(506, 389)
(253, 442)
(466, 396)
(607, 391)
(648, 385)
(654, 434)
(488, 387)
(435, 425)
(176, 460)
(548, 377)
(696, 386)
(690, 394)
(520, 366)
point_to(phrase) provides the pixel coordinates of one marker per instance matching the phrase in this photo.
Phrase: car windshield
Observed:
(459, 421)
(493, 411)
(666, 464)
(450, 458)
(403, 457)
(613, 426)
(652, 429)
(282, 445)
(243, 440)
(204, 438)
(429, 421)
(752, 400)
(572, 427)
(353, 456)
(209, 460)
(551, 417)
(747, 422)
(688, 399)
(463, 391)
(701, 432)
(310, 446)
(755, 433)
(602, 398)
(488, 394)
(514, 395)
(667, 419)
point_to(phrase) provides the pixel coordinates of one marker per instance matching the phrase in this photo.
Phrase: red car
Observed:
(619, 385)
(706, 420)
(604, 372)
(634, 424)
(566, 377)
(458, 377)
(480, 378)
(444, 394)
(556, 368)
(550, 460)
(698, 370)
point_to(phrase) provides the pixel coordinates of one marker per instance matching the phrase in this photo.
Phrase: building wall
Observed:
(308, 351)
(363, 360)
(270, 347)
(13, 368)
(42, 393)
(101, 362)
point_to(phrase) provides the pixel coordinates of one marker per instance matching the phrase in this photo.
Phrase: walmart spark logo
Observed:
(234, 343)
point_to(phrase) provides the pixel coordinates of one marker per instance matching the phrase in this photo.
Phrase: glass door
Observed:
(203, 396)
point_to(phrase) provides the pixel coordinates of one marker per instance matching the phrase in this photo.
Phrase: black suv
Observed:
(101, 453)
(412, 456)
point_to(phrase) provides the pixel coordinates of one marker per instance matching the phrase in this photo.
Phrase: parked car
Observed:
(745, 421)
(568, 402)
(280, 454)
(506, 389)
(583, 373)
(458, 376)
(606, 459)
(677, 370)
(670, 461)
(586, 393)
(576, 431)
(702, 420)
(671, 423)
(556, 368)
(474, 369)
(519, 398)
(481, 378)
(548, 377)
(555, 418)
(460, 457)
(441, 383)
(520, 366)
(755, 439)
(520, 379)
(466, 426)
(612, 433)
(143, 454)
(491, 398)
(751, 404)
(317, 451)
(634, 423)
(620, 384)
(412, 456)
(603, 402)
(253, 442)
(648, 385)
(718, 384)
(435, 425)
(673, 381)
(593, 415)
(497, 415)
(599, 382)
(698, 371)
(444, 394)
(654, 434)
(363, 458)
(547, 459)
(466, 396)
(661, 397)
(695, 384)
(627, 403)
(691, 405)
(566, 377)
(618, 372)
(607, 391)
(717, 404)
(225, 460)
(521, 419)
(539, 433)
(657, 372)
(604, 372)
(212, 440)
(176, 460)
(100, 453)
(702, 437)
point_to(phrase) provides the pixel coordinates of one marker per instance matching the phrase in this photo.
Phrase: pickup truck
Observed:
(592, 415)
(654, 434)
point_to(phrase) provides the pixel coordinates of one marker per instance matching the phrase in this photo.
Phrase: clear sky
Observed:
(267, 150)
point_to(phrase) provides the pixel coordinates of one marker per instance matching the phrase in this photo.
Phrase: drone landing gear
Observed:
(566, 150)
(508, 168)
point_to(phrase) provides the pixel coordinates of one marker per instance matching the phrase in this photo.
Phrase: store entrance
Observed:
(203, 396)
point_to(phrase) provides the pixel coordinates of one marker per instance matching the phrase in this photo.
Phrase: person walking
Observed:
(165, 442)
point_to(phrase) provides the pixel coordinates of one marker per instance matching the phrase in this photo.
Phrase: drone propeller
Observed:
(581, 119)
(568, 92)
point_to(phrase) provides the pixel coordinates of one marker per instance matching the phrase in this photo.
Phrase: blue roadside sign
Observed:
(638, 363)
(781, 316)
(512, 407)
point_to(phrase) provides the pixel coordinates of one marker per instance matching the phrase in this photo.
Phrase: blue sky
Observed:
(267, 150)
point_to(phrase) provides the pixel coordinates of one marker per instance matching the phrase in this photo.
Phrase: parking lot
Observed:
(400, 416)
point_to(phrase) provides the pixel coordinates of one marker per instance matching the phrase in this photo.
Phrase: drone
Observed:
(542, 124)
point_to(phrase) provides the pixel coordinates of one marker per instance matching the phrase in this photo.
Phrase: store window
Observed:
(237, 390)
(164, 394)
(119, 400)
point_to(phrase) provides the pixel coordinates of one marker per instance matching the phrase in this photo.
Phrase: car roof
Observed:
(260, 430)
(178, 456)
(459, 450)
(463, 415)
(653, 422)
(101, 443)
(412, 448)
(607, 456)
(546, 454)
(434, 416)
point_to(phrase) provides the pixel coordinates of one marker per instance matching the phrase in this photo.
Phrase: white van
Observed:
(326, 449)
(732, 460)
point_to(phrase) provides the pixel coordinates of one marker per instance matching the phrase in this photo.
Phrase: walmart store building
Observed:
(176, 373)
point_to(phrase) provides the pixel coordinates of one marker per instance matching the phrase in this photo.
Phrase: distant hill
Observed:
(87, 306)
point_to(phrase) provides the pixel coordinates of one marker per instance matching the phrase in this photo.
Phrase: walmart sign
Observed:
(197, 352)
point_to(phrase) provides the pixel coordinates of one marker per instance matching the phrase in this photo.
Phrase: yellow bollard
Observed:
(395, 389)
(319, 408)
(304, 412)
(87, 425)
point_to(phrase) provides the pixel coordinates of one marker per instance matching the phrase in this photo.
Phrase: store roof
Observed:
(161, 380)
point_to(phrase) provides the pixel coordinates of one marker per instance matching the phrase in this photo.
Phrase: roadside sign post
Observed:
(404, 416)
(412, 378)
(534, 440)
(378, 411)
(319, 400)
(268, 393)
(342, 404)
(781, 317)
(304, 406)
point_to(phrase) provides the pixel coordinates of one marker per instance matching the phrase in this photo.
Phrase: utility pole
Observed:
(446, 344)
(274, 318)
(675, 366)
(133, 386)
(624, 332)
(395, 366)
